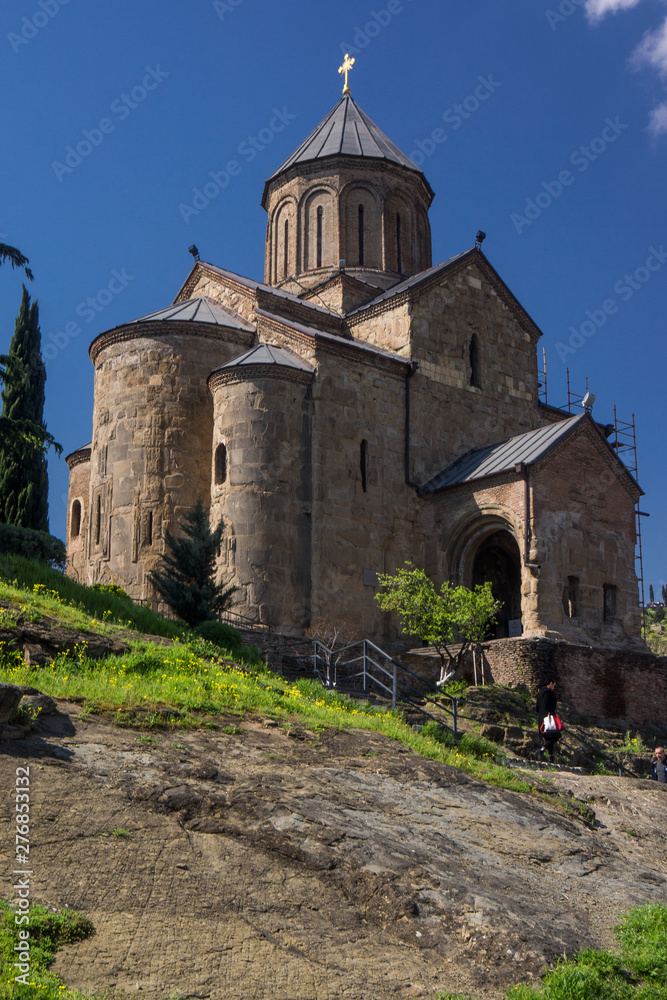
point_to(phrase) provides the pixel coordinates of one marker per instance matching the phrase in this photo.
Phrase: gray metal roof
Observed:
(346, 131)
(198, 310)
(267, 354)
(496, 458)
(416, 279)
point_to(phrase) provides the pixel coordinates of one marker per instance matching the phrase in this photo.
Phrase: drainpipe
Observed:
(409, 372)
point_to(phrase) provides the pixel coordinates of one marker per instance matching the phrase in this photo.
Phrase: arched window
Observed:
(473, 358)
(220, 464)
(75, 520)
(399, 248)
(361, 235)
(320, 219)
(363, 464)
(286, 250)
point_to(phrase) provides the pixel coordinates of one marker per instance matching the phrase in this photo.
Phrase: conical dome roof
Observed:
(346, 131)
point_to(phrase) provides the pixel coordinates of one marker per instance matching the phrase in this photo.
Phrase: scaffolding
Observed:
(625, 446)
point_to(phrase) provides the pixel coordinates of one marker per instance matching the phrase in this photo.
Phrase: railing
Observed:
(377, 669)
(231, 617)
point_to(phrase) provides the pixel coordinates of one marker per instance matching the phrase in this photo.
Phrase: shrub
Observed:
(32, 544)
(220, 634)
(473, 745)
(111, 588)
(434, 731)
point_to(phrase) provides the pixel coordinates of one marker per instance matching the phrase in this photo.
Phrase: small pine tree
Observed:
(651, 595)
(23, 473)
(186, 579)
(664, 594)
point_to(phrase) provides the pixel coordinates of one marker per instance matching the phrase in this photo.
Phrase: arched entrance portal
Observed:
(498, 560)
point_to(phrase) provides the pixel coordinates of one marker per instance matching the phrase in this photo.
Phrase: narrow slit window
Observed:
(474, 363)
(220, 465)
(363, 465)
(75, 520)
(149, 528)
(286, 250)
(399, 248)
(320, 214)
(361, 235)
(98, 519)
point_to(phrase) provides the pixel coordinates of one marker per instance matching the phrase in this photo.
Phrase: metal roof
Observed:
(258, 285)
(197, 310)
(503, 457)
(267, 354)
(346, 131)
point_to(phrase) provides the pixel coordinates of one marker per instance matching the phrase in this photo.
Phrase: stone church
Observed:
(358, 408)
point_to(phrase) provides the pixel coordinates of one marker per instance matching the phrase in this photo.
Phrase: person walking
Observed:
(547, 702)
(659, 765)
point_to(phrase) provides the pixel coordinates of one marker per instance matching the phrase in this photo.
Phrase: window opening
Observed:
(149, 528)
(571, 597)
(474, 362)
(399, 249)
(286, 250)
(363, 465)
(75, 522)
(320, 213)
(98, 519)
(361, 235)
(220, 464)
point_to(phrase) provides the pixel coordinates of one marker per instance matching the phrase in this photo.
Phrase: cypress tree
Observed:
(23, 472)
(186, 578)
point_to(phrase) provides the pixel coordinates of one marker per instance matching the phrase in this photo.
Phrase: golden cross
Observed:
(345, 68)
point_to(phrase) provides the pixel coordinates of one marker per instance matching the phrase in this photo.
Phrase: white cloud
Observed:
(658, 121)
(596, 9)
(652, 50)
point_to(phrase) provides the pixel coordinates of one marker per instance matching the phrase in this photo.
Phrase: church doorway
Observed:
(498, 561)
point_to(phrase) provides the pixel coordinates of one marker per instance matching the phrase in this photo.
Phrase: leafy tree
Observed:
(24, 438)
(186, 579)
(14, 257)
(441, 618)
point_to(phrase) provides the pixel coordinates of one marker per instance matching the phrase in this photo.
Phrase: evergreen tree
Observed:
(23, 473)
(664, 594)
(651, 595)
(186, 580)
(11, 255)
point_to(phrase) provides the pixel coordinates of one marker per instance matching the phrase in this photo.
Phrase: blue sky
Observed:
(563, 164)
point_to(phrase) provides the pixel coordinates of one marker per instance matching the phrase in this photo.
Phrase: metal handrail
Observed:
(326, 662)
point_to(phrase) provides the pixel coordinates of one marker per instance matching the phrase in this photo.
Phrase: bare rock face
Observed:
(10, 696)
(260, 866)
(41, 641)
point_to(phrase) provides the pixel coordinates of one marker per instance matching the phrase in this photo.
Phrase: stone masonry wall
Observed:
(609, 683)
(79, 488)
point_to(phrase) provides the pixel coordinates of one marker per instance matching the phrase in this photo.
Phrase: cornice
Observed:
(249, 373)
(78, 457)
(166, 329)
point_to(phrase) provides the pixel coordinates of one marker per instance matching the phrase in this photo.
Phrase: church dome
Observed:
(346, 200)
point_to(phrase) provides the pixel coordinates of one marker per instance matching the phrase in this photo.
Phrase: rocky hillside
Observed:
(254, 863)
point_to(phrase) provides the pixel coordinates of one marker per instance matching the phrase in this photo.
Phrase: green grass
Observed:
(637, 972)
(48, 931)
(45, 591)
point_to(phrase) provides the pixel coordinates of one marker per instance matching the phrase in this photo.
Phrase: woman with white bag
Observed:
(550, 725)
